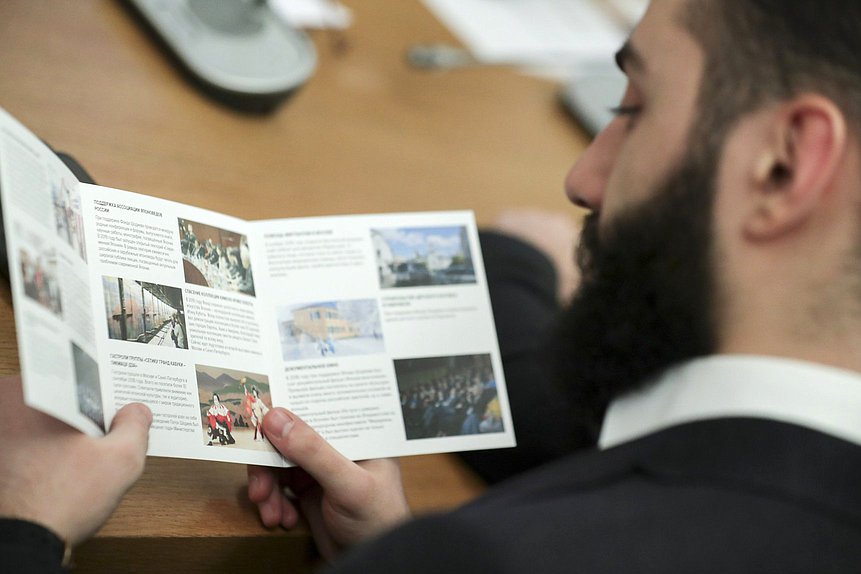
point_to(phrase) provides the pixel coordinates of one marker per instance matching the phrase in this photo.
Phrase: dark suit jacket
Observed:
(522, 285)
(730, 495)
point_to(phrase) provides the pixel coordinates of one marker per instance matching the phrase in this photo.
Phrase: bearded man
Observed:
(714, 344)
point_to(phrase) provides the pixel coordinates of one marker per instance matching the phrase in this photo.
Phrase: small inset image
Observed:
(415, 256)
(68, 220)
(39, 274)
(89, 389)
(330, 329)
(448, 396)
(216, 258)
(141, 312)
(232, 406)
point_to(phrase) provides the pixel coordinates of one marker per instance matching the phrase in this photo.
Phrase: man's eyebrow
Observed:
(628, 57)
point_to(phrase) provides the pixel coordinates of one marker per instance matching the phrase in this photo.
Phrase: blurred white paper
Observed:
(630, 10)
(313, 13)
(545, 33)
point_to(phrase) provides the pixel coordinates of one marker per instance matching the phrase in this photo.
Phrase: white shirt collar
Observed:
(806, 394)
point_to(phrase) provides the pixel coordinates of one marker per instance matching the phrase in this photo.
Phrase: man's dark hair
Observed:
(769, 50)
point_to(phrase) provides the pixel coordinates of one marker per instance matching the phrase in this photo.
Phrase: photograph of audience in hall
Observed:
(448, 396)
(39, 275)
(142, 312)
(418, 256)
(330, 328)
(232, 406)
(88, 387)
(67, 216)
(214, 257)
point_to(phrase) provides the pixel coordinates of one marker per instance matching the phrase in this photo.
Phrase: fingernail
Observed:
(280, 422)
(148, 415)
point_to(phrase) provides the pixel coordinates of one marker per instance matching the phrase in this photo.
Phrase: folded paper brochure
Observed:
(376, 329)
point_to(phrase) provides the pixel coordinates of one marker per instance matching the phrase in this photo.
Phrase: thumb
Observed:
(130, 430)
(302, 446)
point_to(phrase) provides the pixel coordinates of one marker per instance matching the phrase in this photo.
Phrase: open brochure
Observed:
(376, 329)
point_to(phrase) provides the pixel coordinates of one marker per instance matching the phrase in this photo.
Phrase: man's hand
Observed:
(56, 476)
(344, 502)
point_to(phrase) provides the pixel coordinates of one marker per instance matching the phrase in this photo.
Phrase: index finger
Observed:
(301, 445)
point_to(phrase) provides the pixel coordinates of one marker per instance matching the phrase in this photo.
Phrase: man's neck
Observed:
(842, 354)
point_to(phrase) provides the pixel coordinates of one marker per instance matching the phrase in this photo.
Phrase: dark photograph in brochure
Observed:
(88, 387)
(448, 396)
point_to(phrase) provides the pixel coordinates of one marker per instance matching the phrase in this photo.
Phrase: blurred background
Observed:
(369, 131)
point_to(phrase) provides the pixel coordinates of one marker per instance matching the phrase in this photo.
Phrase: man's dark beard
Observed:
(646, 300)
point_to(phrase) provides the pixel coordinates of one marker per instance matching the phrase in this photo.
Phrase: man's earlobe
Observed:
(799, 168)
(771, 180)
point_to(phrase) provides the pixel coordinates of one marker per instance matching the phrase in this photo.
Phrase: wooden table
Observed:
(367, 134)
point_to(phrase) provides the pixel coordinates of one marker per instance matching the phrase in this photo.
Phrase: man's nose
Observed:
(586, 182)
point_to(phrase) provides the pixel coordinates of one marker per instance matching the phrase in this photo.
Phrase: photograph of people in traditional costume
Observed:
(232, 406)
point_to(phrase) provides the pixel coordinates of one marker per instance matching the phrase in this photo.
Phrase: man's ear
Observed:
(798, 166)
